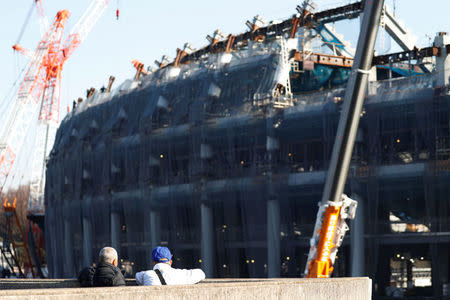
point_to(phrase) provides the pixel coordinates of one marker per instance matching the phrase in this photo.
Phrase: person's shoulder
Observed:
(147, 277)
(187, 276)
(88, 270)
(119, 279)
(86, 275)
(190, 272)
(146, 272)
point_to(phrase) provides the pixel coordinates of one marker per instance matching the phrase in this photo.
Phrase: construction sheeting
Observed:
(194, 159)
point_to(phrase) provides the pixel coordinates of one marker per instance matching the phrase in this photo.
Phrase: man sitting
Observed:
(106, 273)
(164, 274)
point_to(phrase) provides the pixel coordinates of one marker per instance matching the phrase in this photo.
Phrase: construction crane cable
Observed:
(14, 85)
(11, 92)
(24, 26)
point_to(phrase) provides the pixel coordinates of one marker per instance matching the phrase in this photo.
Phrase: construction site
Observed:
(223, 154)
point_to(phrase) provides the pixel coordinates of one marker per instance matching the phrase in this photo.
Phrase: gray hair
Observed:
(107, 254)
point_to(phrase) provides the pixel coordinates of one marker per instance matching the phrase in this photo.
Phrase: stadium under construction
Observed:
(222, 156)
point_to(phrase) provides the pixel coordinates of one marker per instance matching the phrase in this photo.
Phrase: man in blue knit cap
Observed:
(164, 274)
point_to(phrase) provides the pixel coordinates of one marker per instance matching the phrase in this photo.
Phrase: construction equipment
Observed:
(18, 246)
(335, 207)
(40, 89)
(9, 257)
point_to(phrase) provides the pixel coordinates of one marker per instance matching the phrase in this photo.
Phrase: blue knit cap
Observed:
(161, 254)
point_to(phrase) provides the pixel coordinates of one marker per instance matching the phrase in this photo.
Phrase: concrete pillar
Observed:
(152, 233)
(443, 60)
(357, 240)
(207, 240)
(155, 228)
(50, 243)
(58, 245)
(115, 230)
(87, 242)
(273, 238)
(68, 262)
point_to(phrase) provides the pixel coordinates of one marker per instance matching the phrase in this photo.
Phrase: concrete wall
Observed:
(23, 284)
(357, 288)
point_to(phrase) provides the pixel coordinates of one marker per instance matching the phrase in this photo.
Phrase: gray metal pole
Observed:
(353, 101)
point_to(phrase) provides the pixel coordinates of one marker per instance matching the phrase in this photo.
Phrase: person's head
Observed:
(109, 255)
(161, 255)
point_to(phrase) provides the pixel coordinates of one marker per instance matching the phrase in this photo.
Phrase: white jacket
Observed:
(171, 275)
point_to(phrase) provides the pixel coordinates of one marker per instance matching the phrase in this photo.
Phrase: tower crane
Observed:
(39, 93)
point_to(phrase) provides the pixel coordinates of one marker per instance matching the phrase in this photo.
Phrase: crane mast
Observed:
(335, 207)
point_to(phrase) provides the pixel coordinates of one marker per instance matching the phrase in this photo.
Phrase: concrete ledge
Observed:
(333, 288)
(21, 284)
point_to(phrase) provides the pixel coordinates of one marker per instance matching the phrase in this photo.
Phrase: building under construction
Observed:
(222, 154)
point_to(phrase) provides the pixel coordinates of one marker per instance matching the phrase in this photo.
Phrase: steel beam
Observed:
(349, 11)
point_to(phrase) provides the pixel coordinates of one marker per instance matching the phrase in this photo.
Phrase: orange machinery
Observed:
(329, 232)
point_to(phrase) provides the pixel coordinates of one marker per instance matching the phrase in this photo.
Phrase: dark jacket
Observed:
(107, 274)
(86, 277)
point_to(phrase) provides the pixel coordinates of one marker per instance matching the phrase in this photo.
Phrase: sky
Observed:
(148, 29)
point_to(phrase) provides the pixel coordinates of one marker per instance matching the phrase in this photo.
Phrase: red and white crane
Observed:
(39, 96)
(39, 90)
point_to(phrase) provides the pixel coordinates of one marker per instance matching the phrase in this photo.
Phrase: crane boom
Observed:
(42, 17)
(84, 26)
(335, 207)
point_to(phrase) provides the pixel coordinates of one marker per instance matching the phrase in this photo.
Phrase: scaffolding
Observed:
(201, 157)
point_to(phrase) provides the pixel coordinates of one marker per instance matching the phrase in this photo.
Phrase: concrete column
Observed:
(58, 244)
(436, 270)
(68, 262)
(115, 230)
(273, 238)
(153, 234)
(207, 240)
(87, 242)
(443, 60)
(50, 243)
(155, 228)
(357, 240)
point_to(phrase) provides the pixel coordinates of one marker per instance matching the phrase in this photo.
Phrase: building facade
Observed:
(225, 166)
